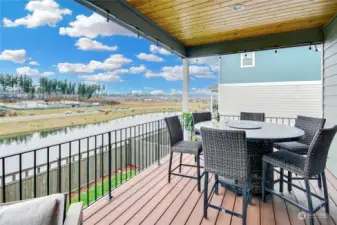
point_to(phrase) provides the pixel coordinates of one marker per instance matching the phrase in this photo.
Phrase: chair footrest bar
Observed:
(287, 200)
(302, 189)
(182, 175)
(201, 167)
(295, 203)
(225, 210)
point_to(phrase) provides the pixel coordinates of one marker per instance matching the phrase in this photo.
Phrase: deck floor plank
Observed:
(148, 199)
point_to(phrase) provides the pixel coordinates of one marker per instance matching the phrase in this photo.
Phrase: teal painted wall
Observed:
(289, 64)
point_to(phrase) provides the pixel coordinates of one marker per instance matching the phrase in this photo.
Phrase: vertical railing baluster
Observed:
(115, 158)
(79, 170)
(69, 173)
(3, 180)
(130, 148)
(138, 147)
(158, 142)
(146, 146)
(88, 171)
(59, 171)
(109, 165)
(134, 149)
(143, 147)
(102, 165)
(126, 152)
(120, 155)
(48, 175)
(35, 181)
(95, 167)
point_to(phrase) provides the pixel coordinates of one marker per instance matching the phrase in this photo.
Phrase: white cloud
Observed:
(114, 62)
(157, 92)
(107, 77)
(88, 44)
(137, 92)
(176, 72)
(139, 69)
(17, 56)
(34, 63)
(176, 92)
(211, 61)
(93, 26)
(43, 12)
(200, 91)
(149, 57)
(47, 73)
(87, 82)
(155, 49)
(73, 68)
(32, 72)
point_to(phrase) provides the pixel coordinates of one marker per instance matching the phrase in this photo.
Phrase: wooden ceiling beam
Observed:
(280, 40)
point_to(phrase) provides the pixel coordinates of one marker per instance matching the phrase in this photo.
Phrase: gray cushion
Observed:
(191, 147)
(293, 146)
(288, 160)
(39, 211)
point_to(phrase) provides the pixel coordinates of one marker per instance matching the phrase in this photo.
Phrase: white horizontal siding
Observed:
(281, 99)
(330, 86)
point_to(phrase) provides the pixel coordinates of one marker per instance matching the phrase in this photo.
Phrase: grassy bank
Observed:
(23, 127)
(100, 193)
(15, 128)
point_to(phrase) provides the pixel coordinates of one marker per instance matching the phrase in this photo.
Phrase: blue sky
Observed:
(61, 39)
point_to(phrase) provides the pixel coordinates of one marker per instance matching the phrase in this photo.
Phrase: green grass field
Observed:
(100, 192)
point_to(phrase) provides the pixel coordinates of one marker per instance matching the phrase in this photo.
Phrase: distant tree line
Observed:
(45, 88)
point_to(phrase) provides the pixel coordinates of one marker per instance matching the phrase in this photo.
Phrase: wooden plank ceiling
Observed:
(197, 22)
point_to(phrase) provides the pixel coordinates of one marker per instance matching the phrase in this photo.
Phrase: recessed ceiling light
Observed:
(238, 7)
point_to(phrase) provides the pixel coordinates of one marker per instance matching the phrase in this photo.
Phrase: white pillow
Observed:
(40, 211)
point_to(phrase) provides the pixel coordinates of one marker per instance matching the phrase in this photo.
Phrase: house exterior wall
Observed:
(330, 85)
(285, 84)
(289, 64)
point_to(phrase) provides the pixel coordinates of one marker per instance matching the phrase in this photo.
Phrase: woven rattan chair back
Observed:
(252, 116)
(175, 130)
(310, 126)
(201, 117)
(318, 151)
(225, 153)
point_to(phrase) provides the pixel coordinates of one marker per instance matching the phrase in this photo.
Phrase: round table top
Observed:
(270, 132)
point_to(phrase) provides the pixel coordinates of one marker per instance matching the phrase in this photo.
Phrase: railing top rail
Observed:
(74, 140)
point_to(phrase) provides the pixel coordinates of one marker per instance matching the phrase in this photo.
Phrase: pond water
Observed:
(24, 143)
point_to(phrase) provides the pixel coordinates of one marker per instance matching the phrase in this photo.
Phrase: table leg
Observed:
(256, 150)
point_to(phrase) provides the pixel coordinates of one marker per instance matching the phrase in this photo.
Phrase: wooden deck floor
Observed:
(149, 199)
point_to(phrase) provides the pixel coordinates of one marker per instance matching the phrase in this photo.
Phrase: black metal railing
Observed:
(279, 120)
(87, 168)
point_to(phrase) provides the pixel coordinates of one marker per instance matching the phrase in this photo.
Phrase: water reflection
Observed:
(24, 138)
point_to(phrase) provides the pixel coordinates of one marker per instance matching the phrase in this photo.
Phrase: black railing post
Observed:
(69, 173)
(48, 168)
(35, 181)
(59, 171)
(20, 176)
(158, 142)
(109, 165)
(3, 181)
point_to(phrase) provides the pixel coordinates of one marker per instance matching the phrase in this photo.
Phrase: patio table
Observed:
(260, 139)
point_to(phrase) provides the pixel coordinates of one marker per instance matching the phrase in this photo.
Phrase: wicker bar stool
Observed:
(200, 117)
(310, 166)
(310, 125)
(178, 145)
(226, 156)
(252, 116)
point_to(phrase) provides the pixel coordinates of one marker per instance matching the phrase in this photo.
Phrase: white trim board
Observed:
(274, 83)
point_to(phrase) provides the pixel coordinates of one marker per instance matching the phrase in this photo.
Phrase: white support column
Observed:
(186, 84)
(211, 102)
(186, 80)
